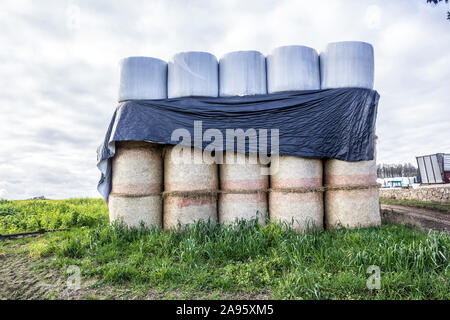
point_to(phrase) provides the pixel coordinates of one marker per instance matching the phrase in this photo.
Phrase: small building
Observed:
(434, 168)
(398, 182)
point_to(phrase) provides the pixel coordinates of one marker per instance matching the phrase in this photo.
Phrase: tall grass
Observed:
(254, 258)
(247, 257)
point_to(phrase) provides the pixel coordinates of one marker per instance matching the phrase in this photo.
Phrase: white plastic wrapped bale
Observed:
(293, 68)
(136, 184)
(303, 210)
(142, 78)
(244, 189)
(242, 73)
(184, 181)
(193, 73)
(347, 64)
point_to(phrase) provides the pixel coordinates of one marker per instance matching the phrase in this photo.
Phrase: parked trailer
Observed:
(434, 168)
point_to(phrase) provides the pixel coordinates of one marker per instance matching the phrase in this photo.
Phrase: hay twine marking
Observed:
(199, 193)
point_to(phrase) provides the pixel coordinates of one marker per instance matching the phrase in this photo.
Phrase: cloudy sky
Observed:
(59, 71)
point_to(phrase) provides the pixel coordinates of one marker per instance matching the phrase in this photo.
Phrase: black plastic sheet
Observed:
(332, 123)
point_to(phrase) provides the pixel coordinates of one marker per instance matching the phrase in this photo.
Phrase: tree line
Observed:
(396, 170)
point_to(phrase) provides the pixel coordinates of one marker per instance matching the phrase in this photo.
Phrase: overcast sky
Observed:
(59, 71)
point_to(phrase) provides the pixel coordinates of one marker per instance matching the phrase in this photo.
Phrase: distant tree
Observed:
(435, 2)
(396, 170)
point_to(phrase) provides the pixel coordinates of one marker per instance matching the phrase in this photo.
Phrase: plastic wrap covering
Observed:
(334, 123)
(242, 73)
(142, 78)
(347, 64)
(193, 74)
(293, 68)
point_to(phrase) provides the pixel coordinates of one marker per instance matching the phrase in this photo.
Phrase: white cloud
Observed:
(60, 60)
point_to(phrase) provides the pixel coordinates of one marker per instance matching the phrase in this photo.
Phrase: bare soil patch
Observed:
(26, 278)
(424, 218)
(22, 277)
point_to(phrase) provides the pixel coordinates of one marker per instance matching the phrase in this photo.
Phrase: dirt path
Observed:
(22, 277)
(424, 218)
(25, 278)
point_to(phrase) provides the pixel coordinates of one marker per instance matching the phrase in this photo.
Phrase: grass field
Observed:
(213, 261)
(433, 205)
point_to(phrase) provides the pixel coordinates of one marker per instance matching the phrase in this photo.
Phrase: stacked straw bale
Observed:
(296, 185)
(296, 193)
(352, 200)
(190, 184)
(136, 184)
(137, 171)
(243, 190)
(242, 180)
(189, 188)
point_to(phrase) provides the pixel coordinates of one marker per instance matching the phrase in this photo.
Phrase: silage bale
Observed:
(242, 73)
(136, 184)
(293, 68)
(142, 78)
(189, 189)
(134, 211)
(296, 197)
(243, 188)
(193, 73)
(347, 64)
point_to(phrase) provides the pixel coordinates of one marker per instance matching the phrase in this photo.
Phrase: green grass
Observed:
(433, 205)
(31, 215)
(247, 259)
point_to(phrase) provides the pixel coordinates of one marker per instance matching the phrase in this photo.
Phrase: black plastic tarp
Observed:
(331, 123)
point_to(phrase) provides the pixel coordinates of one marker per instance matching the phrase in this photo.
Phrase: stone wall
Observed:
(439, 193)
